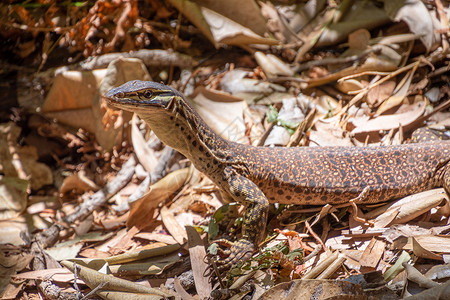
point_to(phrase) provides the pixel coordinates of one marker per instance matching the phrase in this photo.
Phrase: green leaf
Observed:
(212, 249)
(295, 254)
(272, 114)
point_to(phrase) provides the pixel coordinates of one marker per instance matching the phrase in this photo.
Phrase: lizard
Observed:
(256, 176)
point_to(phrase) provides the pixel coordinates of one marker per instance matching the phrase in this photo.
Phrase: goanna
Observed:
(257, 176)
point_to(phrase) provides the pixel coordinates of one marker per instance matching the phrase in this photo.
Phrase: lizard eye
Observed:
(148, 94)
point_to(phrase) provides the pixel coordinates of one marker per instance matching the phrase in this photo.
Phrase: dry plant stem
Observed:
(316, 236)
(301, 129)
(360, 198)
(363, 92)
(165, 160)
(100, 197)
(439, 71)
(53, 292)
(265, 135)
(313, 209)
(286, 78)
(333, 61)
(313, 253)
(156, 174)
(389, 76)
(98, 287)
(60, 30)
(336, 264)
(320, 267)
(414, 275)
(422, 119)
(138, 192)
(161, 58)
(365, 73)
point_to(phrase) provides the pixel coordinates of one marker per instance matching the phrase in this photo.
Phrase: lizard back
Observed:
(321, 175)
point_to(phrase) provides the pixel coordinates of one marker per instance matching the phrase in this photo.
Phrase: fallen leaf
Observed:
(197, 255)
(425, 246)
(227, 31)
(364, 125)
(142, 209)
(272, 65)
(410, 12)
(379, 93)
(408, 207)
(223, 112)
(174, 228)
(306, 289)
(399, 94)
(93, 279)
(144, 154)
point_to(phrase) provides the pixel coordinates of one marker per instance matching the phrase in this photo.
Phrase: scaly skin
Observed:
(257, 176)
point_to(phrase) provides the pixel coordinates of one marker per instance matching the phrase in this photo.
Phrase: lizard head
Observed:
(139, 95)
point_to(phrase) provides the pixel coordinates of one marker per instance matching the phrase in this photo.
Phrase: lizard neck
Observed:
(181, 128)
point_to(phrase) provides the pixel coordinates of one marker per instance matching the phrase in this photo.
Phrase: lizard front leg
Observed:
(247, 193)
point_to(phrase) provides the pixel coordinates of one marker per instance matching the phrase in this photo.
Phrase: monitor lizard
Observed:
(257, 176)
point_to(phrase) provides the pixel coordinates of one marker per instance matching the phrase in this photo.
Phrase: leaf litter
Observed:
(95, 190)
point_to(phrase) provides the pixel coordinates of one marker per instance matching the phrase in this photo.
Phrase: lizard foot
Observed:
(238, 251)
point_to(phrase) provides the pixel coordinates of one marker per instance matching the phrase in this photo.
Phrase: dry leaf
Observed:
(400, 92)
(64, 252)
(77, 182)
(397, 267)
(227, 31)
(223, 112)
(141, 213)
(93, 279)
(361, 15)
(56, 274)
(365, 125)
(373, 253)
(149, 266)
(244, 12)
(410, 12)
(380, 93)
(158, 237)
(423, 247)
(307, 289)
(197, 254)
(408, 207)
(144, 154)
(19, 161)
(372, 63)
(359, 39)
(13, 197)
(171, 224)
(193, 12)
(71, 97)
(434, 243)
(272, 65)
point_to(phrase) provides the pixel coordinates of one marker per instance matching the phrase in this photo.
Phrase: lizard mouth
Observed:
(135, 100)
(130, 104)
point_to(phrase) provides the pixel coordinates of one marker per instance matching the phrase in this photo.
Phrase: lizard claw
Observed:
(240, 250)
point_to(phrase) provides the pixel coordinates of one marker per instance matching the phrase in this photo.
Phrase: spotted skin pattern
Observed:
(257, 176)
